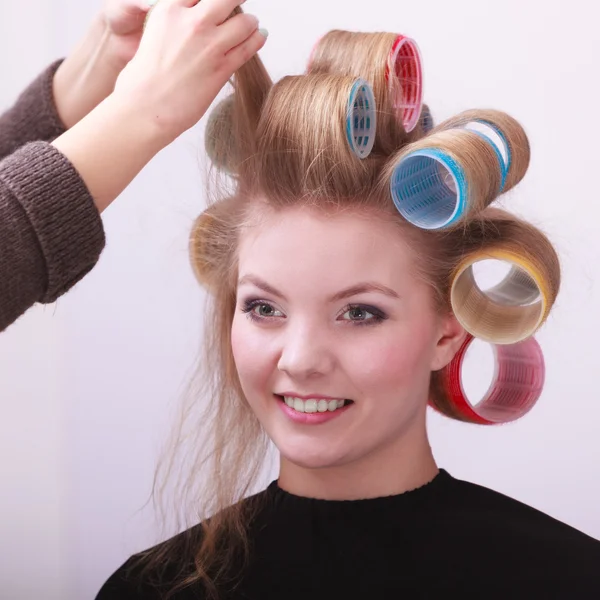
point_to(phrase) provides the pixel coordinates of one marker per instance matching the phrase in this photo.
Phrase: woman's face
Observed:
(334, 336)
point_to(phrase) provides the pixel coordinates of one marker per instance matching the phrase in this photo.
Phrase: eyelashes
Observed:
(250, 305)
(270, 313)
(377, 315)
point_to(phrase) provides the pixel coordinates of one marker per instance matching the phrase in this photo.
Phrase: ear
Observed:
(451, 337)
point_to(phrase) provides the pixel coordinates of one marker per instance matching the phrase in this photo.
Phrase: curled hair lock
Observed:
(391, 63)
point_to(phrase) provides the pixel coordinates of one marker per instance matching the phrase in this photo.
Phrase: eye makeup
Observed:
(267, 312)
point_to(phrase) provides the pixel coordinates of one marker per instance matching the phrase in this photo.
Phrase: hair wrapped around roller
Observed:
(353, 131)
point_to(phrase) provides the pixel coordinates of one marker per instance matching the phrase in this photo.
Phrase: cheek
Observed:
(394, 363)
(249, 354)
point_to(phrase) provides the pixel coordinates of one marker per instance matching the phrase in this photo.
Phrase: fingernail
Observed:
(264, 32)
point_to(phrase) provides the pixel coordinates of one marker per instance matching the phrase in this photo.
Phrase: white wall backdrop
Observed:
(87, 385)
(33, 472)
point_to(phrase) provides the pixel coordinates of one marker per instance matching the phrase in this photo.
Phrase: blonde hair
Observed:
(283, 145)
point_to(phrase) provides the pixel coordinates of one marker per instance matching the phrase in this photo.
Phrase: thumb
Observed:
(139, 7)
(136, 11)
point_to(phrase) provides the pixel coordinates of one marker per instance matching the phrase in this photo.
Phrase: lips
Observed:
(312, 416)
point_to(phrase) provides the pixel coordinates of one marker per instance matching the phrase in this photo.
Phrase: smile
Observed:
(313, 411)
(313, 405)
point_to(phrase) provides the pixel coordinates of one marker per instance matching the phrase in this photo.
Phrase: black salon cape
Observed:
(448, 539)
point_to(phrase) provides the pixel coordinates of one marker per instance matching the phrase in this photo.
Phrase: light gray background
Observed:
(87, 385)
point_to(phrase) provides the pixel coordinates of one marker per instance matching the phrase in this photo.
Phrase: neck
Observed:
(403, 465)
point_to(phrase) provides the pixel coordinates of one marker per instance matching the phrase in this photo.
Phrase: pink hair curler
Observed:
(515, 388)
(406, 81)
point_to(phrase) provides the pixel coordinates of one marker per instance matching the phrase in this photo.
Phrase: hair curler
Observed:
(513, 309)
(515, 388)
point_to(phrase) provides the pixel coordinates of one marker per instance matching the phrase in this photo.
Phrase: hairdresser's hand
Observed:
(124, 21)
(89, 73)
(187, 54)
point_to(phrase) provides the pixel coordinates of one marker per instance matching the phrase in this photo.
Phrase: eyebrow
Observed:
(359, 288)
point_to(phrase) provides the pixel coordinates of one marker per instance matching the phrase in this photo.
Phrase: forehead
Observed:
(300, 244)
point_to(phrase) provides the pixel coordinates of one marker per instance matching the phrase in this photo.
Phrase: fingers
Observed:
(244, 51)
(217, 11)
(237, 30)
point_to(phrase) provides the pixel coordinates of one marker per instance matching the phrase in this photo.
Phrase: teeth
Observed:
(310, 406)
(313, 405)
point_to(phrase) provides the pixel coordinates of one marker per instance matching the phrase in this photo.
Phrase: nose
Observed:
(305, 353)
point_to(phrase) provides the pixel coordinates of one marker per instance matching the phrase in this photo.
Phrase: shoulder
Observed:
(162, 571)
(153, 574)
(505, 526)
(483, 502)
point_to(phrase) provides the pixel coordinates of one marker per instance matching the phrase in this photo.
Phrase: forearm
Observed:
(110, 146)
(88, 75)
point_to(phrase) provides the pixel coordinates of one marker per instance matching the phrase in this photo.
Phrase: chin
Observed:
(309, 456)
(310, 461)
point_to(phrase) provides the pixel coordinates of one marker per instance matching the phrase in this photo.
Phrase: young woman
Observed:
(340, 272)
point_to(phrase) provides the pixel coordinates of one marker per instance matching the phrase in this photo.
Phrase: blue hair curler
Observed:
(361, 120)
(429, 189)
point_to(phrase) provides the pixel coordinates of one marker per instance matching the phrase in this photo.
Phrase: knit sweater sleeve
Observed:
(33, 117)
(51, 234)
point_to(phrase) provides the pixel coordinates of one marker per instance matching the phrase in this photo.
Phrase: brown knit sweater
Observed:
(51, 234)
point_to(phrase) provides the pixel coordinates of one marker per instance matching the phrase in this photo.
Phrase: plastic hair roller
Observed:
(429, 189)
(505, 134)
(509, 312)
(391, 63)
(427, 123)
(208, 242)
(437, 180)
(361, 121)
(198, 251)
(332, 128)
(406, 80)
(494, 136)
(515, 388)
(219, 141)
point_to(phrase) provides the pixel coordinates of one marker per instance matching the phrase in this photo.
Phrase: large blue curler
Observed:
(429, 189)
(361, 120)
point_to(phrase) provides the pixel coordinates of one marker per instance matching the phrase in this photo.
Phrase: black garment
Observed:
(448, 539)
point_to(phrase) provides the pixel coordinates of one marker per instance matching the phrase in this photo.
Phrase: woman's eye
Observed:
(265, 310)
(358, 314)
(260, 310)
(363, 314)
